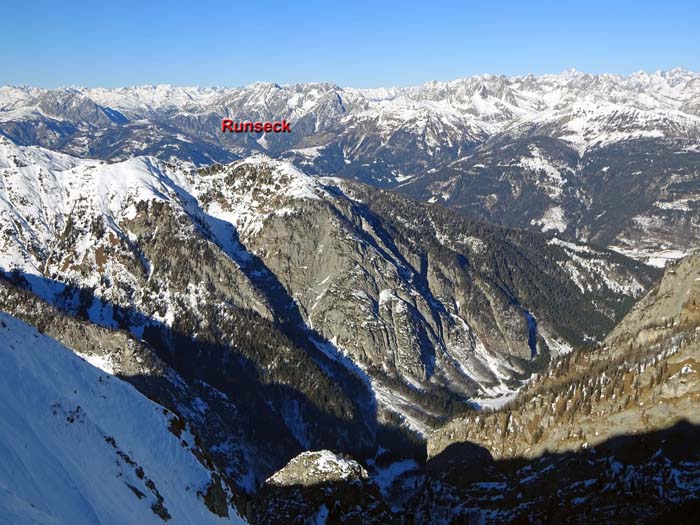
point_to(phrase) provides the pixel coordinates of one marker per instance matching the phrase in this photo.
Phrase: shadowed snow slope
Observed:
(80, 446)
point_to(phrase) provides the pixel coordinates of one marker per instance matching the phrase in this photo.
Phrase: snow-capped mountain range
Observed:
(552, 152)
(587, 111)
(580, 103)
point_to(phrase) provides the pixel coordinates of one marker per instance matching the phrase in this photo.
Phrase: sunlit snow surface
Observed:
(653, 257)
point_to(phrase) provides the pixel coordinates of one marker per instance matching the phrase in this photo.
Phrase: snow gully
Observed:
(229, 125)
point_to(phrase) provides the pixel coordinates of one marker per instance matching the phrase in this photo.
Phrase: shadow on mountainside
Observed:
(651, 477)
(282, 412)
(343, 502)
(288, 318)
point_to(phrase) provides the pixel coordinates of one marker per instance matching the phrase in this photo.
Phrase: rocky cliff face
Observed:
(398, 286)
(609, 388)
(610, 423)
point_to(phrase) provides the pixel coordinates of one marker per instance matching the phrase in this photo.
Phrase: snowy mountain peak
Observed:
(313, 468)
(282, 179)
(249, 191)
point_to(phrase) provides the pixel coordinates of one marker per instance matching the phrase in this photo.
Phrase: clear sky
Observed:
(351, 43)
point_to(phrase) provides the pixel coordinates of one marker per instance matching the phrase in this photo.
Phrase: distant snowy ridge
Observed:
(365, 129)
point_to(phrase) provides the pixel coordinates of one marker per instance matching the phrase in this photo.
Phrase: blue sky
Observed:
(358, 43)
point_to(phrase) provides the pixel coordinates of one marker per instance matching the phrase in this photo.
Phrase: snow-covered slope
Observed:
(40, 189)
(80, 446)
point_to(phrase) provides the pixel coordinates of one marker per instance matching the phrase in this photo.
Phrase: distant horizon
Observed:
(378, 87)
(372, 44)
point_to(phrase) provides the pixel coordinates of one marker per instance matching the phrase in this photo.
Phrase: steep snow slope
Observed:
(80, 446)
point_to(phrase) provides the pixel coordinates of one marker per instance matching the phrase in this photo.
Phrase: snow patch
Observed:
(552, 219)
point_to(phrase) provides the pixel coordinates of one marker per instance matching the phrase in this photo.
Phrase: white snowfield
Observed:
(79, 446)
